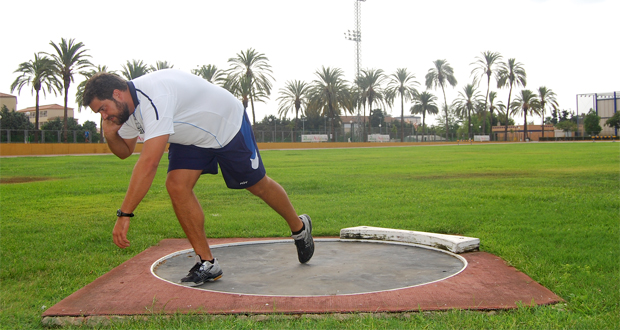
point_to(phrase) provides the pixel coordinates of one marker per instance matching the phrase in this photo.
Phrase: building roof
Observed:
(7, 95)
(45, 107)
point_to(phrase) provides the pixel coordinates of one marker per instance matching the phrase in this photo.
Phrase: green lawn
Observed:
(552, 210)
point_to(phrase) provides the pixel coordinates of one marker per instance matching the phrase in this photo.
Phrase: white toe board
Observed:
(452, 243)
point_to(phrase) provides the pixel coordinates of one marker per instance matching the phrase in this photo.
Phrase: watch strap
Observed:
(120, 213)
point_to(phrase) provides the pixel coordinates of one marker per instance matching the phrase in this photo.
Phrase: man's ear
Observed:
(117, 95)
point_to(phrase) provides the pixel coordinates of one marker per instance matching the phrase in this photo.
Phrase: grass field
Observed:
(552, 210)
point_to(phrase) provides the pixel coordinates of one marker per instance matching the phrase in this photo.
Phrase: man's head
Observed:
(106, 93)
(102, 86)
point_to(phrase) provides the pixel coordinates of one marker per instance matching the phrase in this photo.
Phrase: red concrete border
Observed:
(130, 289)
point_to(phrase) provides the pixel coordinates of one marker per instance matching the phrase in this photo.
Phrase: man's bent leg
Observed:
(274, 195)
(180, 185)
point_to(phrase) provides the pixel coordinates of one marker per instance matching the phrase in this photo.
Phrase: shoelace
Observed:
(195, 268)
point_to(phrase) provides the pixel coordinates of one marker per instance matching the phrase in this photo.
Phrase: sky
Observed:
(569, 46)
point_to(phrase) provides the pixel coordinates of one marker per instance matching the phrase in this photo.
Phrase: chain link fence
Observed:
(345, 135)
(45, 136)
(265, 136)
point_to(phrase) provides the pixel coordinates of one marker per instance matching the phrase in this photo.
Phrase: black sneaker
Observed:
(304, 241)
(203, 272)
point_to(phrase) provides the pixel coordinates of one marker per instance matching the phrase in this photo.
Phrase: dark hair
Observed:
(101, 86)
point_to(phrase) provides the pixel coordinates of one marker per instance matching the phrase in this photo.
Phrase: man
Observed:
(206, 126)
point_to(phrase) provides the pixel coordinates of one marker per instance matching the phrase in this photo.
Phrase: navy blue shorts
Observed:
(240, 161)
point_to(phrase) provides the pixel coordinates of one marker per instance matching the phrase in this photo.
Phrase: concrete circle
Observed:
(338, 267)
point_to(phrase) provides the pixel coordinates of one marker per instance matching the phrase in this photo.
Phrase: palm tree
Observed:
(439, 75)
(239, 88)
(525, 103)
(485, 67)
(40, 75)
(210, 73)
(134, 69)
(546, 97)
(369, 83)
(80, 91)
(255, 67)
(161, 65)
(424, 103)
(466, 102)
(510, 74)
(402, 83)
(293, 96)
(329, 94)
(69, 57)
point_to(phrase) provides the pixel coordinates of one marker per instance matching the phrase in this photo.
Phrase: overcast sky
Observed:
(570, 46)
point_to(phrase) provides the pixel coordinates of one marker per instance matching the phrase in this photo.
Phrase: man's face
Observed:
(111, 110)
(123, 114)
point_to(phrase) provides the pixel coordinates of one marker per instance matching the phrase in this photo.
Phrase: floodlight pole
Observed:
(356, 35)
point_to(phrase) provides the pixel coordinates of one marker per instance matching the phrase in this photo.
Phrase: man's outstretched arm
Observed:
(141, 180)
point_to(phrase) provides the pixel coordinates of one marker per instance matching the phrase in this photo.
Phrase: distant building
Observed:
(9, 100)
(47, 112)
(605, 105)
(415, 120)
(515, 132)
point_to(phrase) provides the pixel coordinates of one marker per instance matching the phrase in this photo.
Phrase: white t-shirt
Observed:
(190, 109)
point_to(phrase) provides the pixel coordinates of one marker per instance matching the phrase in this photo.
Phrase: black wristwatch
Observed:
(120, 213)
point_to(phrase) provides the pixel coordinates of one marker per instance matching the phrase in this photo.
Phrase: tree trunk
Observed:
(101, 137)
(423, 124)
(294, 137)
(402, 118)
(65, 124)
(36, 120)
(469, 122)
(542, 126)
(525, 126)
(364, 137)
(446, 109)
(331, 121)
(484, 122)
(507, 110)
(253, 115)
(491, 124)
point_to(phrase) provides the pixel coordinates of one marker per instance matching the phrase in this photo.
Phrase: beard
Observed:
(123, 115)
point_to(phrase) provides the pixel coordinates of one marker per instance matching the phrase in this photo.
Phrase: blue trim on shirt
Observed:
(134, 95)
(200, 128)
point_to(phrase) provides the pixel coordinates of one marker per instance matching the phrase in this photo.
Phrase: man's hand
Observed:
(141, 180)
(122, 148)
(120, 232)
(110, 129)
